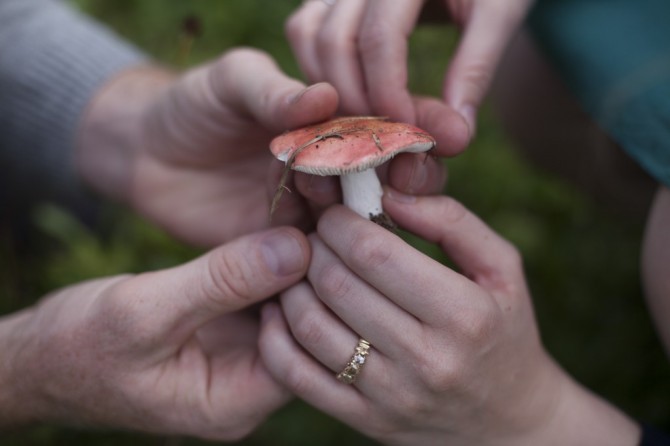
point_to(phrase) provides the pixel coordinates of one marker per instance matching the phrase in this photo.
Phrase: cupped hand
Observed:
(361, 48)
(196, 158)
(456, 357)
(170, 352)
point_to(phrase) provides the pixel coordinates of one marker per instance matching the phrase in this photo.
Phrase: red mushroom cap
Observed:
(347, 145)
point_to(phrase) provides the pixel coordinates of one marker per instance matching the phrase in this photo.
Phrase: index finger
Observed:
(485, 38)
(383, 49)
(415, 282)
(482, 254)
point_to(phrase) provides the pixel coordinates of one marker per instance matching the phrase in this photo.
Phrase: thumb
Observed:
(171, 304)
(250, 83)
(243, 94)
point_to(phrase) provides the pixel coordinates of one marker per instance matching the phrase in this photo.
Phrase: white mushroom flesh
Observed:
(362, 192)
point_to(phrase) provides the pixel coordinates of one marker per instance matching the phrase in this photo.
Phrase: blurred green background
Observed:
(582, 260)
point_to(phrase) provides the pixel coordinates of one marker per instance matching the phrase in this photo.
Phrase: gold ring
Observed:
(355, 364)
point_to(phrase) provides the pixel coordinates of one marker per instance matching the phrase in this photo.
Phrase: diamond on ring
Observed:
(355, 364)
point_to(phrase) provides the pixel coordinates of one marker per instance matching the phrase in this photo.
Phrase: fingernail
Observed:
(469, 113)
(419, 175)
(296, 97)
(400, 197)
(283, 254)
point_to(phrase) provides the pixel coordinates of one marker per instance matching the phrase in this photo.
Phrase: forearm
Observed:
(110, 133)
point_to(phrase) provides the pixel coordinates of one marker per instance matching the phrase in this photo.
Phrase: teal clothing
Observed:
(615, 56)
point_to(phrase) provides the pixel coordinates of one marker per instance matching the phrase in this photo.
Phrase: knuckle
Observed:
(294, 28)
(237, 56)
(440, 373)
(369, 253)
(373, 38)
(452, 211)
(298, 381)
(512, 255)
(409, 405)
(227, 61)
(119, 314)
(267, 99)
(228, 277)
(332, 40)
(328, 43)
(508, 278)
(477, 76)
(309, 329)
(222, 77)
(478, 324)
(335, 282)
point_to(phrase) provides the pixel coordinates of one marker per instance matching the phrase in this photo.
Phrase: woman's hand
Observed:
(456, 357)
(360, 47)
(170, 352)
(191, 152)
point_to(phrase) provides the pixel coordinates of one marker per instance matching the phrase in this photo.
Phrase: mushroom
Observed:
(350, 147)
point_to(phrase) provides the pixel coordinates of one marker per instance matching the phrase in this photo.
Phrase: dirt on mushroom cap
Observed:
(350, 144)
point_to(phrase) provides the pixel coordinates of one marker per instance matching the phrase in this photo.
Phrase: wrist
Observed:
(110, 132)
(581, 417)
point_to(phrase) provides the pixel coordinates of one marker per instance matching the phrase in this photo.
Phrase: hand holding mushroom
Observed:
(169, 352)
(173, 351)
(350, 148)
(190, 153)
(361, 48)
(455, 357)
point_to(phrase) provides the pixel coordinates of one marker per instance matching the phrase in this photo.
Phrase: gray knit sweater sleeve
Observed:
(52, 60)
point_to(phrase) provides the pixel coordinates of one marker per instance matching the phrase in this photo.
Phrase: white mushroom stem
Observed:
(362, 192)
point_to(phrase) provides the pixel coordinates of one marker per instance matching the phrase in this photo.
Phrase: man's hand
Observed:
(191, 152)
(171, 352)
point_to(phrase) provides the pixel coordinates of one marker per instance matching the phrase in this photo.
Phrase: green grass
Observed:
(581, 260)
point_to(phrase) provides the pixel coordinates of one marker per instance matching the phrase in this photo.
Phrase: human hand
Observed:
(411, 173)
(456, 357)
(191, 152)
(171, 352)
(361, 48)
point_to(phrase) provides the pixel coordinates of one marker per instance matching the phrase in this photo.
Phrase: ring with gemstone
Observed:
(355, 364)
